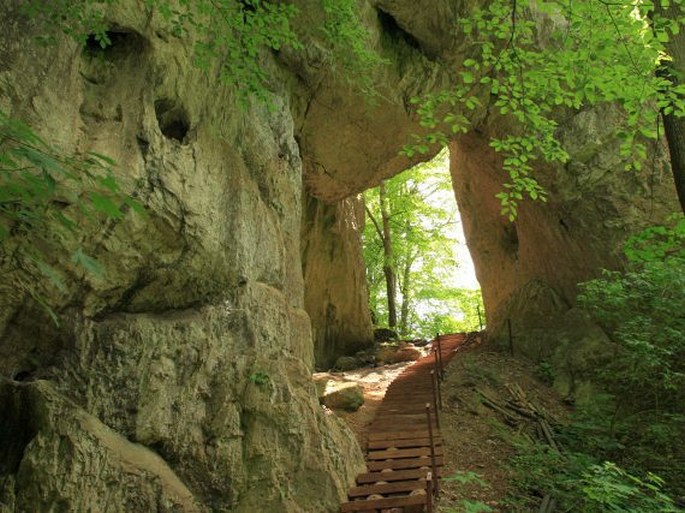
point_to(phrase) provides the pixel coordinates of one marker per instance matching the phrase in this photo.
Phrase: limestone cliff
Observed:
(181, 381)
(529, 269)
(336, 297)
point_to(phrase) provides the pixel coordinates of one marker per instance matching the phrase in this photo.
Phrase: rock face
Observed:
(182, 381)
(529, 269)
(336, 296)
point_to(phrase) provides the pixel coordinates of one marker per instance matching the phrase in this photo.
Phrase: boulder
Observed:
(320, 383)
(346, 396)
(384, 335)
(347, 363)
(395, 354)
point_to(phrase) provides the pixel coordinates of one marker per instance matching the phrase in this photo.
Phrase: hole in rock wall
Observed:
(107, 59)
(114, 44)
(172, 119)
(16, 427)
(390, 27)
(511, 239)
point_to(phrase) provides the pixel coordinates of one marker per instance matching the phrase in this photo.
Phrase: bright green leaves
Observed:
(608, 487)
(530, 60)
(641, 310)
(47, 199)
(518, 153)
(76, 19)
(421, 208)
(233, 36)
(229, 36)
(658, 242)
(350, 45)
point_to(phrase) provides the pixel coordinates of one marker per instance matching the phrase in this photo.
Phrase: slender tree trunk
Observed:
(388, 264)
(405, 288)
(674, 126)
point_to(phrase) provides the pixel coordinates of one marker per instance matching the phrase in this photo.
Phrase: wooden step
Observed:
(406, 434)
(410, 442)
(402, 453)
(403, 464)
(406, 421)
(380, 504)
(399, 486)
(395, 475)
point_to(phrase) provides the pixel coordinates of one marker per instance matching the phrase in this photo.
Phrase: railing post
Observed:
(441, 374)
(429, 492)
(437, 397)
(434, 466)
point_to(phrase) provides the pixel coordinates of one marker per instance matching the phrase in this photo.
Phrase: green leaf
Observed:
(91, 265)
(105, 205)
(467, 77)
(50, 272)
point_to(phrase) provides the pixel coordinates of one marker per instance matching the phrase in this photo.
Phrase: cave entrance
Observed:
(419, 271)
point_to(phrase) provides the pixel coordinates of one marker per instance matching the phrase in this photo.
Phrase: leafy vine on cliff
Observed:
(532, 60)
(46, 199)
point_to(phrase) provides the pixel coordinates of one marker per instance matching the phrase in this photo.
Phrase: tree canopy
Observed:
(409, 250)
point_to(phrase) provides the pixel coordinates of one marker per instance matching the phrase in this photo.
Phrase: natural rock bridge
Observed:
(248, 262)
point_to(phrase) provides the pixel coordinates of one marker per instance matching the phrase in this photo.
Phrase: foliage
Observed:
(350, 44)
(608, 488)
(259, 378)
(230, 33)
(633, 427)
(46, 199)
(446, 309)
(580, 481)
(530, 60)
(469, 478)
(475, 507)
(76, 19)
(644, 380)
(421, 216)
(545, 372)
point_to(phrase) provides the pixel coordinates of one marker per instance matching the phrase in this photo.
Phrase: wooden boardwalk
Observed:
(404, 454)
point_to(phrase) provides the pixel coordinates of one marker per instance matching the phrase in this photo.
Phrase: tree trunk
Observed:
(388, 264)
(674, 127)
(405, 287)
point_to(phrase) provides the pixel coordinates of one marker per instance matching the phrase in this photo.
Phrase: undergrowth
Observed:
(623, 450)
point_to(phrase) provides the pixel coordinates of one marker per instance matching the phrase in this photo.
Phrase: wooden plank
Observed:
(401, 409)
(393, 502)
(418, 420)
(403, 464)
(395, 475)
(419, 432)
(399, 486)
(416, 406)
(418, 416)
(394, 454)
(410, 442)
(401, 426)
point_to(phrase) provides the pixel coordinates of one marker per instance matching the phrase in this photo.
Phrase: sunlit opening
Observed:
(420, 274)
